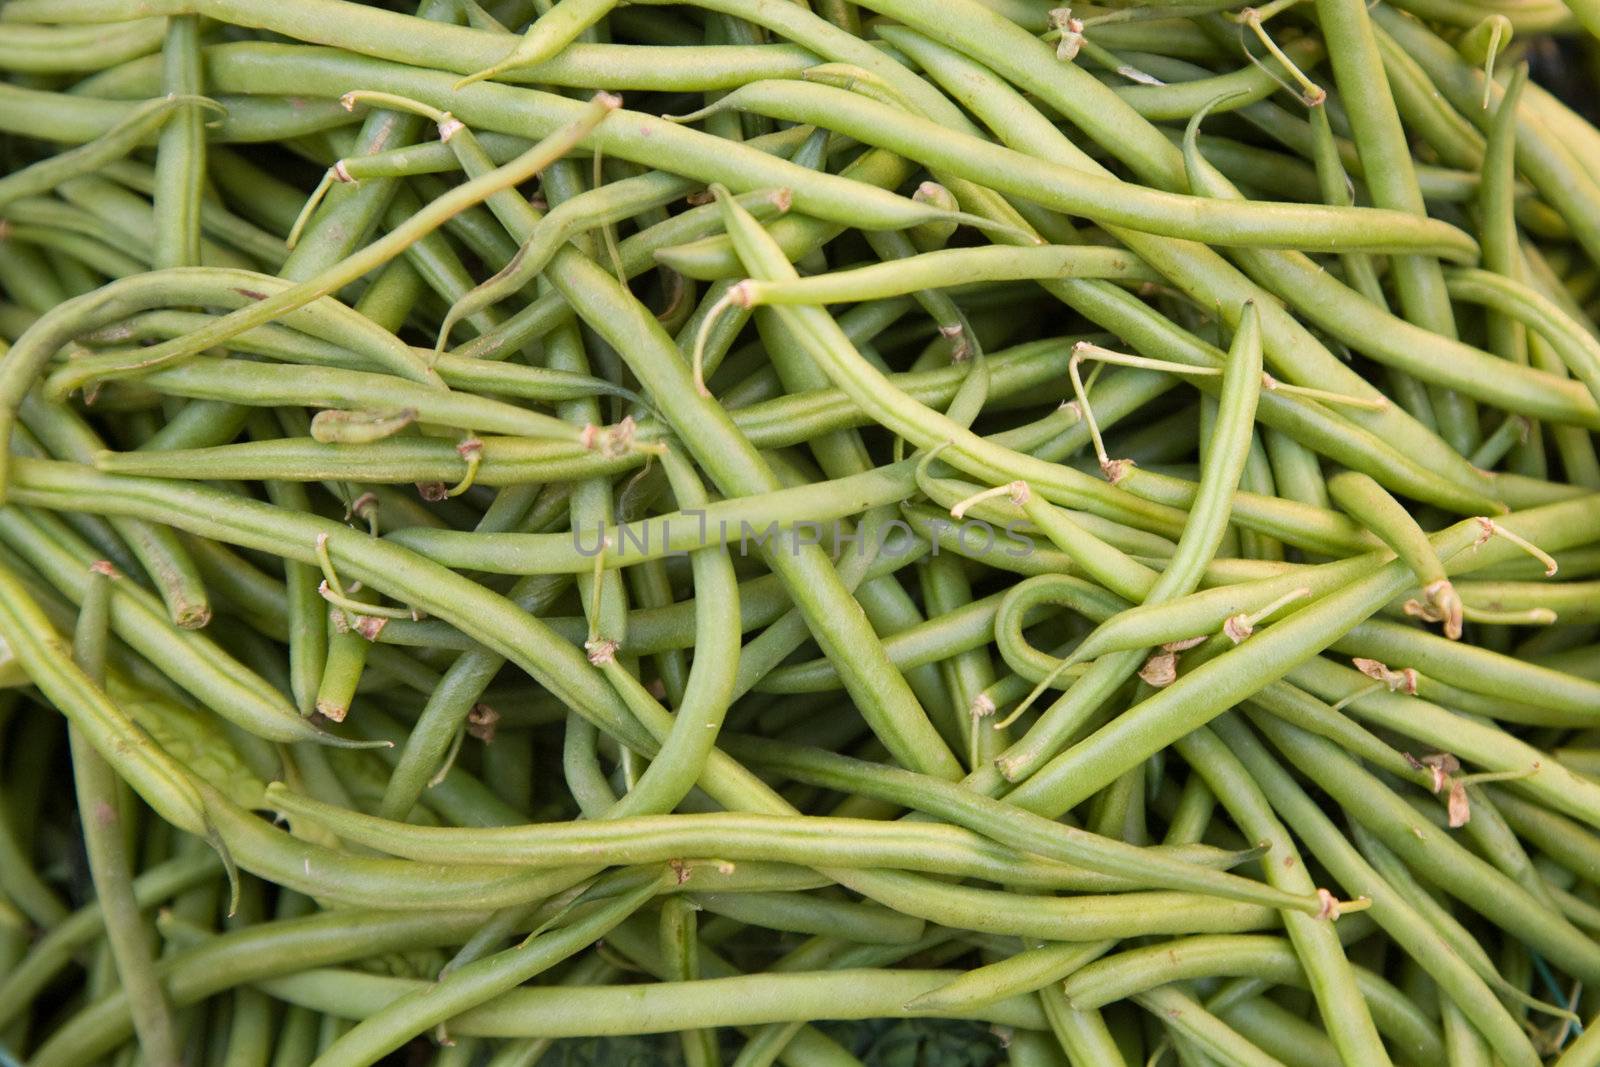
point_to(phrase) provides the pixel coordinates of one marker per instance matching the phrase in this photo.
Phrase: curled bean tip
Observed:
(192, 617)
(1237, 628)
(1457, 806)
(1401, 681)
(331, 710)
(1160, 670)
(1116, 470)
(1331, 907)
(482, 720)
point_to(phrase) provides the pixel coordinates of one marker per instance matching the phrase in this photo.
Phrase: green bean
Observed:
(1479, 742)
(240, 957)
(1076, 192)
(265, 385)
(1352, 319)
(802, 913)
(1336, 985)
(658, 1007)
(721, 523)
(873, 392)
(812, 581)
(1279, 1032)
(1198, 545)
(1150, 585)
(1082, 1034)
(227, 287)
(1575, 450)
(645, 839)
(1084, 918)
(680, 944)
(94, 208)
(76, 120)
(54, 49)
(392, 570)
(448, 706)
(436, 263)
(96, 786)
(591, 500)
(1360, 68)
(389, 1028)
(1182, 98)
(1082, 597)
(1419, 897)
(347, 647)
(708, 692)
(1513, 431)
(1575, 345)
(598, 207)
(1031, 969)
(1557, 837)
(1375, 509)
(1205, 611)
(158, 551)
(1540, 156)
(1015, 120)
(262, 310)
(1571, 601)
(180, 154)
(637, 254)
(1209, 688)
(511, 379)
(399, 460)
(431, 157)
(463, 50)
(1420, 939)
(1469, 667)
(1185, 1017)
(100, 257)
(223, 226)
(47, 174)
(151, 772)
(1014, 375)
(1301, 343)
(203, 669)
(944, 268)
(1500, 243)
(551, 32)
(636, 137)
(961, 630)
(1003, 823)
(304, 613)
(810, 578)
(34, 898)
(83, 927)
(1460, 873)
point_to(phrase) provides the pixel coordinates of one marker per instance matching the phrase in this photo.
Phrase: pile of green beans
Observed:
(835, 533)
